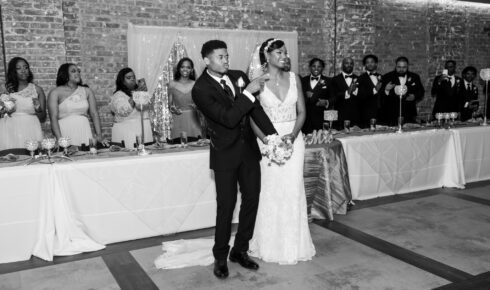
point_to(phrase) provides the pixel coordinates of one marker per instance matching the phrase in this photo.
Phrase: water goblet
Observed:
(453, 116)
(48, 144)
(439, 117)
(64, 142)
(32, 146)
(447, 117)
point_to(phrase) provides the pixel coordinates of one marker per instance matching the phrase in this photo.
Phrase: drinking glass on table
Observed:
(183, 139)
(347, 126)
(372, 124)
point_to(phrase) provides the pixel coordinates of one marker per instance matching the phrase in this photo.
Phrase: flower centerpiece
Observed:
(276, 150)
(142, 99)
(485, 75)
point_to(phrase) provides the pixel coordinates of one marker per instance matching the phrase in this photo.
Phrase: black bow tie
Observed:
(315, 78)
(348, 76)
(372, 73)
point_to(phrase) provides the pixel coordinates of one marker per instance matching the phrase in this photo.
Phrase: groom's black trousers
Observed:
(247, 175)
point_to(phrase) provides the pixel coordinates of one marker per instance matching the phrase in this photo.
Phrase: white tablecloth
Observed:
(387, 164)
(72, 207)
(474, 143)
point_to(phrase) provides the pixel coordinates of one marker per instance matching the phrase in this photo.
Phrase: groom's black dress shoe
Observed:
(243, 259)
(220, 269)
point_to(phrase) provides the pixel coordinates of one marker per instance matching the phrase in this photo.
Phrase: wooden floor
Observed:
(129, 274)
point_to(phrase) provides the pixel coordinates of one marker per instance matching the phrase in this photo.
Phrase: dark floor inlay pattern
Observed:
(127, 272)
(478, 282)
(410, 257)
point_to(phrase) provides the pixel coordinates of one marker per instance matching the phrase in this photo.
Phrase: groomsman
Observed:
(445, 89)
(390, 101)
(370, 84)
(315, 90)
(344, 94)
(468, 94)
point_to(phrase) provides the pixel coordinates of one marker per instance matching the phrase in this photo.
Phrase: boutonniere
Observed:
(457, 81)
(355, 81)
(241, 84)
(409, 79)
(474, 88)
(322, 81)
(379, 78)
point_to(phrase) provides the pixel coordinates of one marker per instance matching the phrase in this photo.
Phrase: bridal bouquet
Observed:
(7, 105)
(276, 150)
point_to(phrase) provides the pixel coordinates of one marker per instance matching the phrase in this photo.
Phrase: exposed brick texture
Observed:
(92, 33)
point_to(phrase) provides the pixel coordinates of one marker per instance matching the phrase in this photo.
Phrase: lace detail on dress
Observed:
(283, 113)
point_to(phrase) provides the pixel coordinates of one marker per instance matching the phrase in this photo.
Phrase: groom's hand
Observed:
(257, 84)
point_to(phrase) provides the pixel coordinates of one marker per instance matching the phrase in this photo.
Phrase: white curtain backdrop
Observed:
(149, 47)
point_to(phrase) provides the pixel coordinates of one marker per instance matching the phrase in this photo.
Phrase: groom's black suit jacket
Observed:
(232, 138)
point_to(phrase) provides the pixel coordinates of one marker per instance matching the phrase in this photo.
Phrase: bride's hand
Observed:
(288, 138)
(257, 84)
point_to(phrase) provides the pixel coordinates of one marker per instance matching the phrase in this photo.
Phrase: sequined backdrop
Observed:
(161, 118)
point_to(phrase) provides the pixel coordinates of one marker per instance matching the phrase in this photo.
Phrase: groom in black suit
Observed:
(234, 152)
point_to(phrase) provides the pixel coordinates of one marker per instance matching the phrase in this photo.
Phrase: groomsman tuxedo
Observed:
(234, 154)
(389, 111)
(369, 97)
(446, 93)
(467, 94)
(314, 113)
(346, 104)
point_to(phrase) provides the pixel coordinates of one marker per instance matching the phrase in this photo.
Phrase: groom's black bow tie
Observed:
(372, 73)
(348, 76)
(315, 78)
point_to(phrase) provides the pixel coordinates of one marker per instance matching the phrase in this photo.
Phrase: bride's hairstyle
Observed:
(120, 86)
(268, 46)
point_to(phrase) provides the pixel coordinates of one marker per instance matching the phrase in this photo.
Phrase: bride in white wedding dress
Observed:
(281, 233)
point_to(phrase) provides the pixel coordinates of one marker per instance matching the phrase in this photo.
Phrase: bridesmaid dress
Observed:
(127, 121)
(188, 121)
(23, 124)
(72, 117)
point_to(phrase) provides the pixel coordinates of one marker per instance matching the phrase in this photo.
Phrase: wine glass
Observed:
(447, 117)
(32, 146)
(453, 116)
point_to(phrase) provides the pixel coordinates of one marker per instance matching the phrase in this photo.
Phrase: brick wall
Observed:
(92, 33)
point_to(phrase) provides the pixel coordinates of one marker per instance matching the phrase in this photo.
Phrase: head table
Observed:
(67, 208)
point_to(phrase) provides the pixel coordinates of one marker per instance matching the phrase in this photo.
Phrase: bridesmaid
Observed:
(68, 105)
(30, 103)
(181, 105)
(127, 118)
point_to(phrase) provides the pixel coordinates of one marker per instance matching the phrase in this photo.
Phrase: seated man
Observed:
(390, 101)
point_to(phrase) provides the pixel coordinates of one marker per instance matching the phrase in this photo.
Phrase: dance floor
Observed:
(438, 238)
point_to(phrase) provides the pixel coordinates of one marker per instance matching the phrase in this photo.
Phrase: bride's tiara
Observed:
(269, 43)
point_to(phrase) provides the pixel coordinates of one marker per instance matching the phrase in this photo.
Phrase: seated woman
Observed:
(127, 118)
(30, 107)
(68, 105)
(180, 99)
